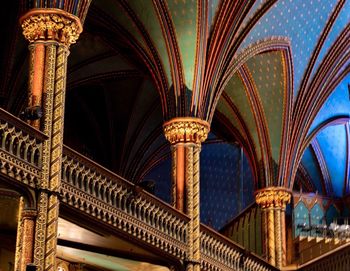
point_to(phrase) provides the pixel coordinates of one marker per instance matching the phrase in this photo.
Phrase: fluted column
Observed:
(273, 202)
(50, 32)
(186, 136)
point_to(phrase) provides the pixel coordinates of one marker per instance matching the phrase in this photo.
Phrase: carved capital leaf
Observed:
(186, 130)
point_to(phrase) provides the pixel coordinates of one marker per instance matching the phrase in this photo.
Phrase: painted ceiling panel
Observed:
(149, 124)
(311, 165)
(147, 95)
(226, 184)
(88, 46)
(222, 184)
(152, 148)
(102, 65)
(236, 91)
(184, 16)
(213, 8)
(226, 110)
(119, 15)
(342, 20)
(337, 104)
(147, 15)
(267, 72)
(161, 175)
(332, 141)
(301, 21)
(256, 6)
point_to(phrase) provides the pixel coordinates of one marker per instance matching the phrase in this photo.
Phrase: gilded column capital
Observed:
(51, 24)
(186, 130)
(273, 197)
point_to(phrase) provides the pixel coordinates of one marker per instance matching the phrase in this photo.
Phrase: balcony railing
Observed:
(337, 259)
(20, 149)
(102, 194)
(220, 253)
(245, 229)
(99, 193)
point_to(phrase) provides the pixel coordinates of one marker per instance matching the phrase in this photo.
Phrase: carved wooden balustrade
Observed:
(20, 149)
(335, 260)
(106, 196)
(220, 253)
(110, 198)
(96, 192)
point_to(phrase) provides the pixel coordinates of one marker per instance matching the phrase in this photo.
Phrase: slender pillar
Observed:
(50, 33)
(284, 233)
(186, 136)
(25, 237)
(271, 235)
(264, 232)
(28, 224)
(273, 202)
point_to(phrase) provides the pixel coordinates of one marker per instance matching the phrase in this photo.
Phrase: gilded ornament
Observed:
(51, 24)
(186, 130)
(273, 197)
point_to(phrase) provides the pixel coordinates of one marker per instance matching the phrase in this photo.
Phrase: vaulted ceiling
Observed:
(268, 74)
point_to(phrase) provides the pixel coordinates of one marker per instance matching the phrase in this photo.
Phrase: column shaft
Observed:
(25, 237)
(264, 231)
(173, 176)
(180, 177)
(186, 135)
(48, 94)
(196, 207)
(284, 242)
(36, 77)
(271, 235)
(28, 241)
(278, 237)
(189, 204)
(273, 202)
(50, 31)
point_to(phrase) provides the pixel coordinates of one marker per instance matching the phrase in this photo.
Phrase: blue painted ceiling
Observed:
(114, 114)
(302, 23)
(329, 132)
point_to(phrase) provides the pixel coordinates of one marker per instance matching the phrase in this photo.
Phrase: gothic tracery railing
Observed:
(220, 253)
(106, 196)
(20, 149)
(99, 193)
(338, 259)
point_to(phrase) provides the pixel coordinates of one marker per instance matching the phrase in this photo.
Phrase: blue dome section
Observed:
(337, 104)
(342, 20)
(329, 129)
(302, 22)
(311, 165)
(332, 141)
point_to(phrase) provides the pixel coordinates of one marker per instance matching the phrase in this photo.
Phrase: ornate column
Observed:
(273, 201)
(50, 32)
(25, 237)
(185, 136)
